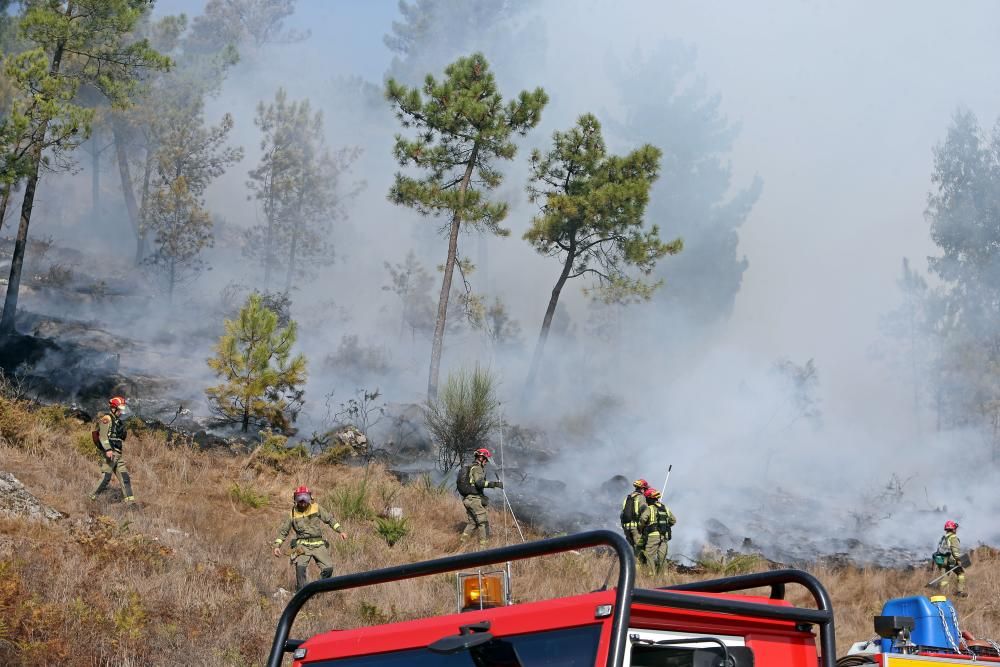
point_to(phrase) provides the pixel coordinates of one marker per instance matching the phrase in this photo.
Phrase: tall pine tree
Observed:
(461, 128)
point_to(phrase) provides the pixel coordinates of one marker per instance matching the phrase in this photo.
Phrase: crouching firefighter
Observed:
(471, 483)
(307, 519)
(656, 522)
(109, 436)
(631, 508)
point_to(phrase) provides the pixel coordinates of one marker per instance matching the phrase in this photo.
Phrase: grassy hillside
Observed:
(187, 576)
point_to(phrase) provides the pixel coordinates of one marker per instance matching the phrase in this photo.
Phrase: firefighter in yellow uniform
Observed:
(306, 519)
(655, 522)
(631, 509)
(110, 438)
(471, 484)
(947, 557)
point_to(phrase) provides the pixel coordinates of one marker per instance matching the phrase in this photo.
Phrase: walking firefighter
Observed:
(306, 518)
(109, 437)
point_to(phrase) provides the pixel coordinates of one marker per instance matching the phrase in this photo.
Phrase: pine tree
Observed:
(73, 43)
(666, 103)
(462, 128)
(592, 213)
(247, 25)
(299, 183)
(189, 156)
(261, 378)
(182, 228)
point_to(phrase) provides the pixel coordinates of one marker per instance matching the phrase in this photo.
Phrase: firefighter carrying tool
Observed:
(655, 522)
(307, 519)
(471, 483)
(949, 558)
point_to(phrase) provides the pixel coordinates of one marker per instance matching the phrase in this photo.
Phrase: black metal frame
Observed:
(625, 593)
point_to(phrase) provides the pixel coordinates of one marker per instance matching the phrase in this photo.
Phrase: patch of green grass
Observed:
(427, 486)
(350, 501)
(247, 495)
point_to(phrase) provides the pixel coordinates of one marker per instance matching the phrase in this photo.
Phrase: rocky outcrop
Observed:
(16, 501)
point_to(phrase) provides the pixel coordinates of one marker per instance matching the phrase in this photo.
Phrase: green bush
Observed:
(247, 495)
(350, 501)
(392, 529)
(427, 486)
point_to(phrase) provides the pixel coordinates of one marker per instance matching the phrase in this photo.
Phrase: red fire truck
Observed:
(703, 624)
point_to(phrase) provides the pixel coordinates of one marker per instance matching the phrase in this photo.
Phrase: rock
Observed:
(16, 501)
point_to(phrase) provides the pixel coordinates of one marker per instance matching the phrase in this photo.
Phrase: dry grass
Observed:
(187, 577)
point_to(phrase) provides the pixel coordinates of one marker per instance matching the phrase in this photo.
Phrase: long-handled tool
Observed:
(965, 560)
(663, 489)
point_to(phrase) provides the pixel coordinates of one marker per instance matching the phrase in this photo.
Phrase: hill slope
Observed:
(187, 576)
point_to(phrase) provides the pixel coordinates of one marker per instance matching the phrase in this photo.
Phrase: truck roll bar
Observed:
(776, 579)
(681, 596)
(593, 538)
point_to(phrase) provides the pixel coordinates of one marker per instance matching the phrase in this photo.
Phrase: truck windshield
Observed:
(553, 648)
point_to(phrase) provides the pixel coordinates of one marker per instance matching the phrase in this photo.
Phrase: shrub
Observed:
(461, 419)
(427, 486)
(15, 422)
(275, 453)
(730, 563)
(247, 495)
(350, 501)
(57, 276)
(392, 529)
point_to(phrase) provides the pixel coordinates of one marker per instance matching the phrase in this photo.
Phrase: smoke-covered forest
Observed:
(760, 243)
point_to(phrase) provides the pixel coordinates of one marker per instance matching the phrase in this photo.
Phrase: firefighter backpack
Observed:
(462, 483)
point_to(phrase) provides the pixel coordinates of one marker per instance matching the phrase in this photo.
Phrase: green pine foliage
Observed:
(461, 127)
(260, 377)
(592, 218)
(461, 418)
(67, 46)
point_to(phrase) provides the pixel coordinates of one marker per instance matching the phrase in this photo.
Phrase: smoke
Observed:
(834, 107)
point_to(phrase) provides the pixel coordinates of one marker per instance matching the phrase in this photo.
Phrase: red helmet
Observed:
(116, 402)
(950, 525)
(485, 453)
(302, 494)
(651, 493)
(302, 489)
(640, 484)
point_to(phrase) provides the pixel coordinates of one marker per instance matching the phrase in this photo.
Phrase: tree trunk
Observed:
(550, 312)
(246, 419)
(95, 178)
(172, 280)
(449, 268)
(4, 200)
(294, 244)
(269, 239)
(127, 189)
(17, 261)
(143, 245)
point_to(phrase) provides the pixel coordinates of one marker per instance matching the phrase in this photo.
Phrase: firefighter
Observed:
(306, 518)
(655, 522)
(109, 438)
(631, 508)
(948, 552)
(471, 484)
